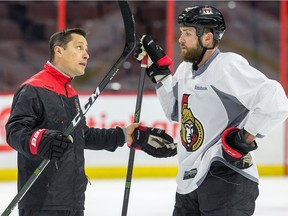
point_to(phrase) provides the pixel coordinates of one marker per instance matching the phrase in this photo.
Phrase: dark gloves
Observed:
(158, 61)
(49, 144)
(154, 141)
(235, 149)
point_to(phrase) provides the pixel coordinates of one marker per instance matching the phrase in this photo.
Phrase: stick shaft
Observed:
(132, 151)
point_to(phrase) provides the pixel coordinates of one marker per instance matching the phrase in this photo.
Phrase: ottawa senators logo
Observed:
(192, 134)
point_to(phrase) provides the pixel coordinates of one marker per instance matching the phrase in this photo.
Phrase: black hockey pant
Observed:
(224, 192)
(31, 212)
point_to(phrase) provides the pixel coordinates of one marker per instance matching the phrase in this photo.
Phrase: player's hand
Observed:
(158, 61)
(140, 54)
(154, 141)
(49, 144)
(235, 149)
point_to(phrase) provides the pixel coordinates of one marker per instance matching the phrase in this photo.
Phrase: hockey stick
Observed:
(128, 48)
(132, 151)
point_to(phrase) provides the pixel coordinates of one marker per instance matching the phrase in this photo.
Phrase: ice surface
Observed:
(155, 197)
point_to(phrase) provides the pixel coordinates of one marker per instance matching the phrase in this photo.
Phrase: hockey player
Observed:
(222, 104)
(42, 108)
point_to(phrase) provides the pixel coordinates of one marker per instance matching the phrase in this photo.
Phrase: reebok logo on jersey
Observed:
(201, 88)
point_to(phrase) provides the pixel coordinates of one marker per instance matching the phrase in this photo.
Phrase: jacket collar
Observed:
(54, 71)
(205, 66)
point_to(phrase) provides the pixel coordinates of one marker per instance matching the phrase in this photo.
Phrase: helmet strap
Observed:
(204, 49)
(195, 64)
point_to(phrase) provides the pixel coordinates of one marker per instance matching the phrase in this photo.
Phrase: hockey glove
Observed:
(235, 149)
(158, 61)
(154, 141)
(49, 144)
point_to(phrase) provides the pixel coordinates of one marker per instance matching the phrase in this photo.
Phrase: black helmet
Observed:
(201, 17)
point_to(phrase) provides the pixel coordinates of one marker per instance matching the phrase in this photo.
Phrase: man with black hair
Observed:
(42, 109)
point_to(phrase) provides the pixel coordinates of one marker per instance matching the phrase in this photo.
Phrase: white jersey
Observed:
(225, 92)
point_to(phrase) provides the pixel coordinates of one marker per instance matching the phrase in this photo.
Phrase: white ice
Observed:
(155, 197)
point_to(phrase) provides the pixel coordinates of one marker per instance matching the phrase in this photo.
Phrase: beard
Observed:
(192, 54)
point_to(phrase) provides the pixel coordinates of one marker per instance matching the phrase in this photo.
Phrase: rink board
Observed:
(112, 110)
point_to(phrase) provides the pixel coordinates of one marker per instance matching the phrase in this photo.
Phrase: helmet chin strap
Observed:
(204, 49)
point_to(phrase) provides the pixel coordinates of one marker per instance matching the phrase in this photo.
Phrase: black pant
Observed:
(224, 192)
(31, 212)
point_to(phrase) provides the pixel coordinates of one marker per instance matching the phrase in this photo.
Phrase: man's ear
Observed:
(58, 51)
(208, 39)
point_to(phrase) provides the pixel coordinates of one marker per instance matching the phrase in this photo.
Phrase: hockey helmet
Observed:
(201, 17)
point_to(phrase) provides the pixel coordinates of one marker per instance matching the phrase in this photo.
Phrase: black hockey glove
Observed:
(158, 61)
(235, 149)
(49, 144)
(154, 141)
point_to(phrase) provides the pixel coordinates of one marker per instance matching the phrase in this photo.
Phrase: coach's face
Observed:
(72, 60)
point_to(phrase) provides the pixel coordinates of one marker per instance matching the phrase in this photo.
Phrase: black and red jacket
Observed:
(47, 101)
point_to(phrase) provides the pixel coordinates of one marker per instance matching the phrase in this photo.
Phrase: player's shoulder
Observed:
(230, 57)
(184, 66)
(183, 69)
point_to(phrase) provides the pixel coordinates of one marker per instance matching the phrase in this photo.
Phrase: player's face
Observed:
(189, 45)
(73, 59)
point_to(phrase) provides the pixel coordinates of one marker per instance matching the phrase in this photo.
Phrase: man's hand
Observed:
(154, 141)
(235, 149)
(129, 132)
(158, 61)
(49, 144)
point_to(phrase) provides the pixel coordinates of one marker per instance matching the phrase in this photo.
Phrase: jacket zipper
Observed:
(56, 164)
(75, 152)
